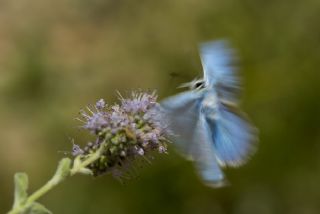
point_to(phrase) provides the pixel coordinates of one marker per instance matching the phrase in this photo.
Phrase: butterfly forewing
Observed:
(218, 61)
(182, 112)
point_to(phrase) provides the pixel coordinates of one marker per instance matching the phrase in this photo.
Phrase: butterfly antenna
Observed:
(64, 152)
(185, 85)
(190, 84)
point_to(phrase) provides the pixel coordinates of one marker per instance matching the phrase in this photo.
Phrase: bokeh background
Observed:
(57, 56)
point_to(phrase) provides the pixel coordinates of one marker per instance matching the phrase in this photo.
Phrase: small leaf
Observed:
(21, 185)
(86, 171)
(63, 170)
(37, 208)
(76, 165)
(77, 162)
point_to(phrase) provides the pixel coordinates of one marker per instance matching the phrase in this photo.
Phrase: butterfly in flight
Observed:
(206, 122)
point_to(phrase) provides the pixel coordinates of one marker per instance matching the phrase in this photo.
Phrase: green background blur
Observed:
(57, 56)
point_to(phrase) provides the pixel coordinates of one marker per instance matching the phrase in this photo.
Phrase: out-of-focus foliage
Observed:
(59, 55)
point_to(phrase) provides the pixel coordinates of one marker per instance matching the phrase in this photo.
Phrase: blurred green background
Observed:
(57, 56)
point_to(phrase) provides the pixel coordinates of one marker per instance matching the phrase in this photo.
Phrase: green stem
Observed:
(86, 162)
(55, 180)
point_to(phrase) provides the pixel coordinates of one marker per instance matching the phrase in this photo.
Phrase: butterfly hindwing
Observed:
(233, 136)
(203, 153)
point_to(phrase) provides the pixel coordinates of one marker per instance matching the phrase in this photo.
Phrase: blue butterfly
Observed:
(206, 123)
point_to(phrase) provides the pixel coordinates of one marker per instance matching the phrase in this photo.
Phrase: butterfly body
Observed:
(207, 124)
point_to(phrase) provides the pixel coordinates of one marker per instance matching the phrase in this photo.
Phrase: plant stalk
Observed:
(54, 181)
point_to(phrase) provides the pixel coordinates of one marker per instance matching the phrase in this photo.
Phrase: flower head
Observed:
(125, 132)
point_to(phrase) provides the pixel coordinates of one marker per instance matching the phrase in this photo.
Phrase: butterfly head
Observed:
(195, 84)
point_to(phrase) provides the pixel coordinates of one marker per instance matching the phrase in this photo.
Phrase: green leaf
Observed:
(37, 208)
(85, 171)
(20, 192)
(77, 162)
(63, 170)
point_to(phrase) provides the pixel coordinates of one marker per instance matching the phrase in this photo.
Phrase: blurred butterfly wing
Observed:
(192, 134)
(203, 153)
(219, 72)
(182, 113)
(233, 136)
